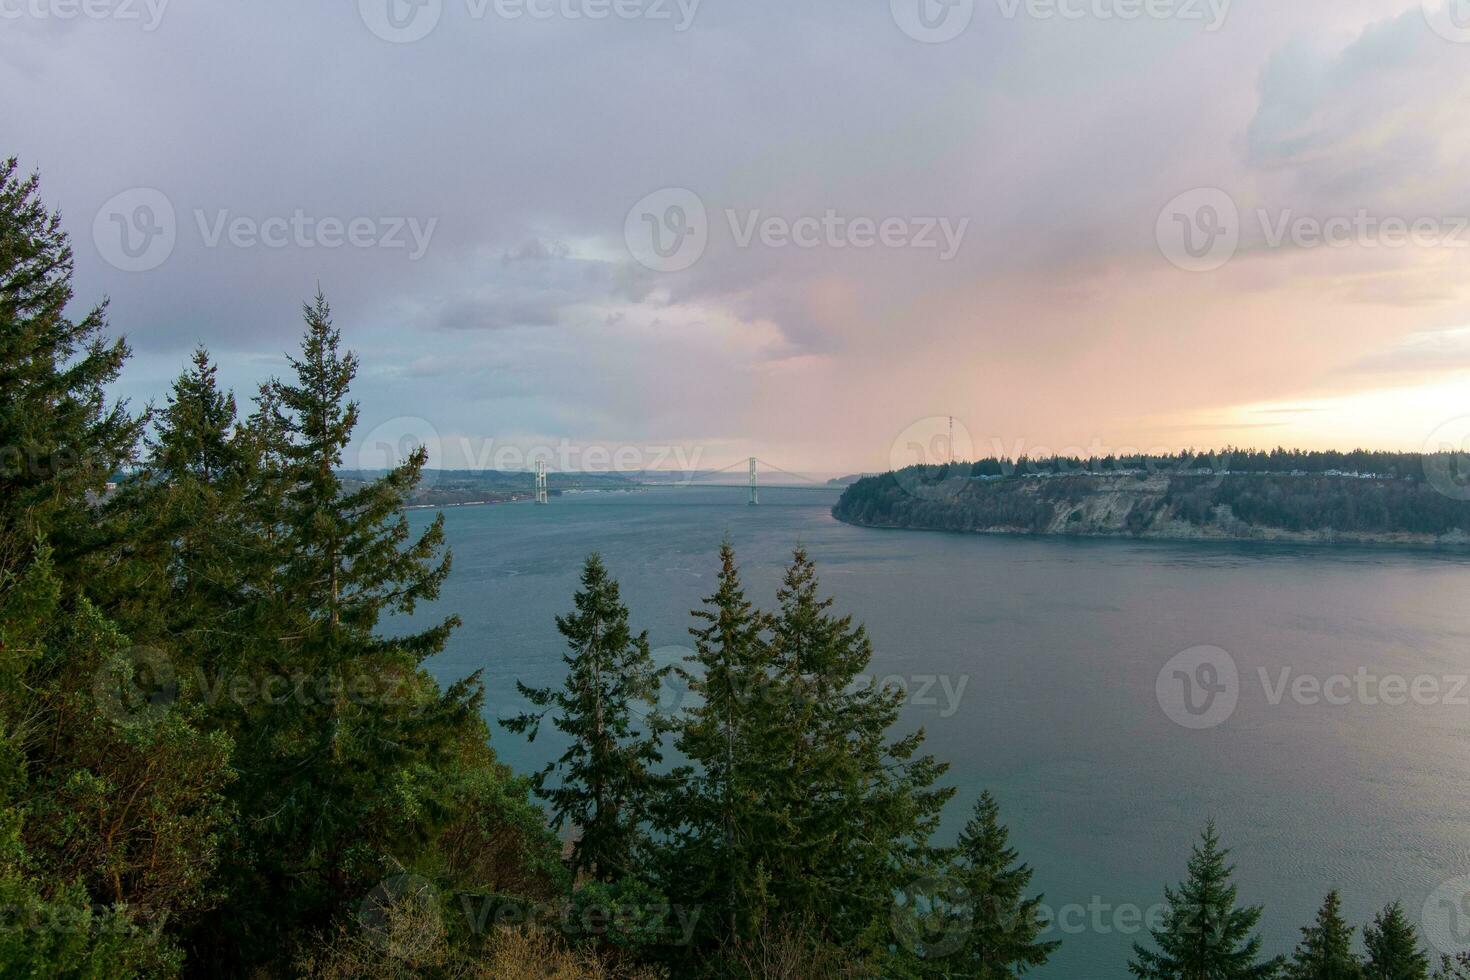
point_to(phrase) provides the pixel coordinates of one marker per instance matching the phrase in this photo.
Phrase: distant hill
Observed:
(1404, 499)
(448, 488)
(847, 481)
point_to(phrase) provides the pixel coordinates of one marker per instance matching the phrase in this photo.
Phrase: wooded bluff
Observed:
(1381, 498)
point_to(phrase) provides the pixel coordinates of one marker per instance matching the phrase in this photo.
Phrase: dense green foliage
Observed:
(218, 759)
(1002, 941)
(607, 781)
(1326, 949)
(1205, 934)
(1291, 492)
(720, 818)
(1393, 947)
(1232, 459)
(211, 755)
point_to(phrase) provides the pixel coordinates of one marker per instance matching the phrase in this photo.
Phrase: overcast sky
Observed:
(803, 229)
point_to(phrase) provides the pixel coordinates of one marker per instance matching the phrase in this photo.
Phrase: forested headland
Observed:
(214, 761)
(1282, 495)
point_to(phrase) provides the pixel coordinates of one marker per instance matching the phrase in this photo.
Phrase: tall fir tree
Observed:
(1394, 952)
(1326, 948)
(1205, 935)
(178, 522)
(343, 758)
(197, 427)
(859, 808)
(605, 780)
(60, 439)
(1002, 941)
(111, 798)
(720, 815)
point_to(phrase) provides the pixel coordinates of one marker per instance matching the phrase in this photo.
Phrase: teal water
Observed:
(1058, 645)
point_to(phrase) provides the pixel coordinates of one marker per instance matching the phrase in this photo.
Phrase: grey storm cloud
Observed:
(527, 143)
(1366, 122)
(535, 250)
(498, 314)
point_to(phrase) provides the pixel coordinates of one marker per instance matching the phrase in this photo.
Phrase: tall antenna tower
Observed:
(951, 439)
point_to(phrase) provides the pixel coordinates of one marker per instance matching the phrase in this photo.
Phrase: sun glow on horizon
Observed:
(1403, 418)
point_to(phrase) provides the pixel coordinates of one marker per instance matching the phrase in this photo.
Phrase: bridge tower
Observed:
(541, 494)
(755, 497)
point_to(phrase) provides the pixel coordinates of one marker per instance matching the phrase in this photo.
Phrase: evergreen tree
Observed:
(1455, 967)
(178, 522)
(1326, 949)
(197, 426)
(606, 784)
(111, 798)
(1001, 942)
(347, 758)
(1393, 947)
(60, 440)
(1205, 935)
(721, 814)
(133, 829)
(859, 810)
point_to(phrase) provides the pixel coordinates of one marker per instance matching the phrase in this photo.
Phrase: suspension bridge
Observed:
(752, 467)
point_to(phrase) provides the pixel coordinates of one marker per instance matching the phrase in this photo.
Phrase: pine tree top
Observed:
(1205, 933)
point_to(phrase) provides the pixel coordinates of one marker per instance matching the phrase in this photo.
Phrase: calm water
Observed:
(1059, 645)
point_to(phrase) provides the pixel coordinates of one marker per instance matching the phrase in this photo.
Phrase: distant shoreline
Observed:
(469, 503)
(1387, 543)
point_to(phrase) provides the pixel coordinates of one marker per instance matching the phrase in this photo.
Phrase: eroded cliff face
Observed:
(1151, 506)
(1107, 504)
